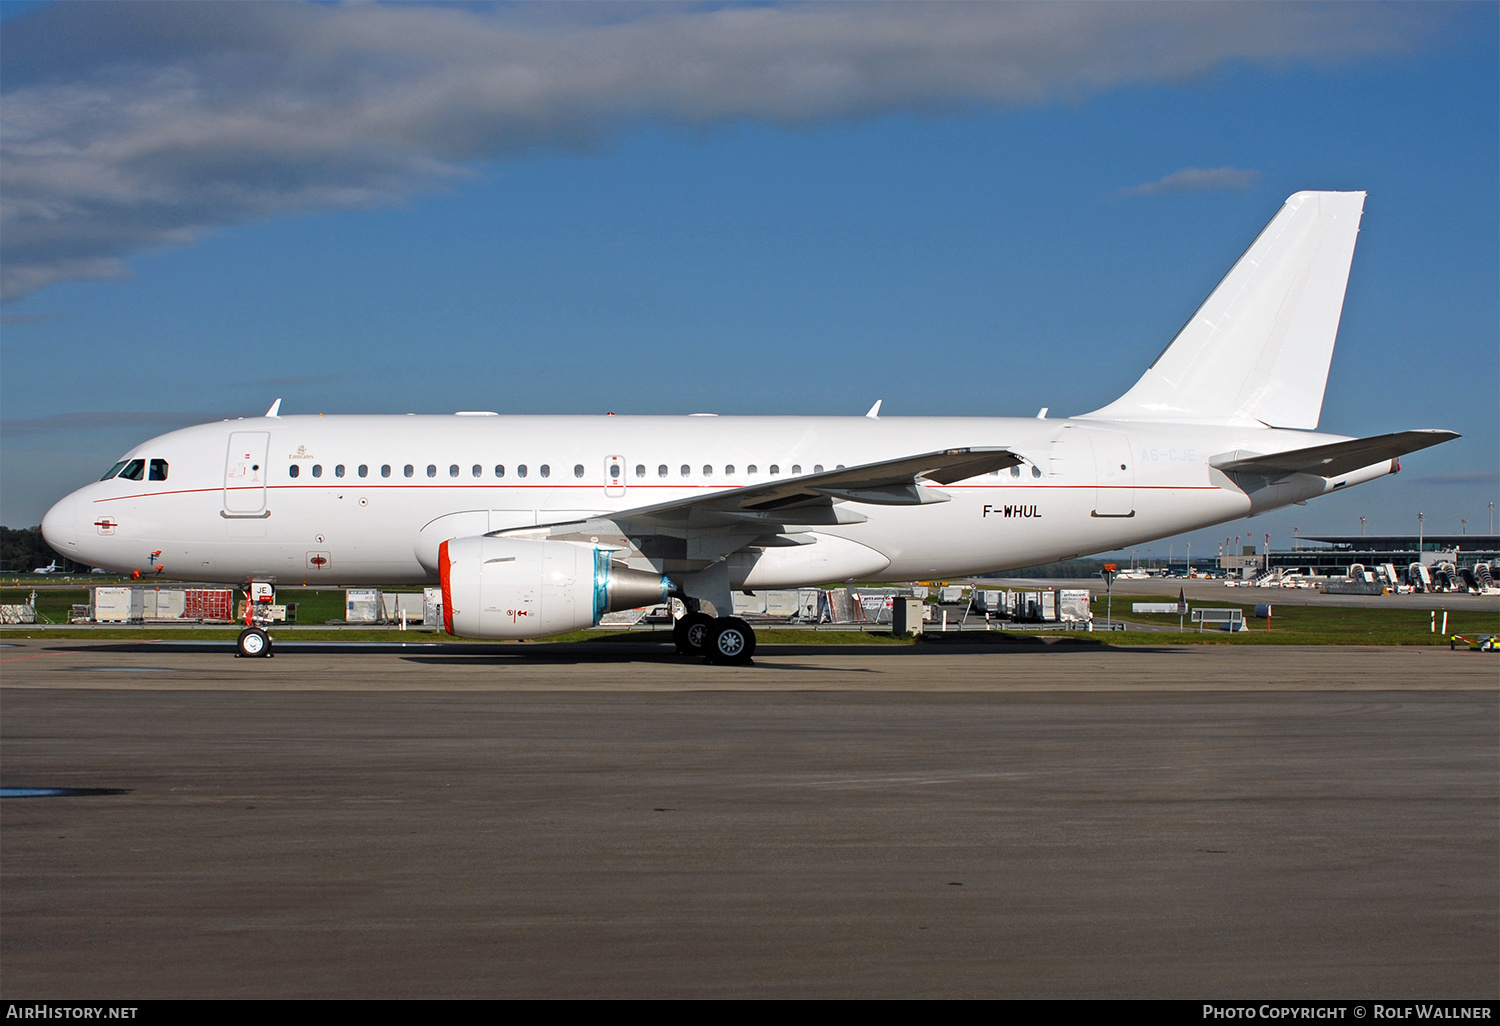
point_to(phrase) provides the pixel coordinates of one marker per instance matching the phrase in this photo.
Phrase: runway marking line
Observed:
(38, 655)
(41, 655)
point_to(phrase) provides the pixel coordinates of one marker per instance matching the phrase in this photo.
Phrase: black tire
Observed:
(691, 633)
(253, 643)
(732, 641)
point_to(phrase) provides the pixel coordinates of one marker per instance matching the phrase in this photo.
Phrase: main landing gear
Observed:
(725, 639)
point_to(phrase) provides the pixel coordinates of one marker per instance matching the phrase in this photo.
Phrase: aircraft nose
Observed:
(60, 526)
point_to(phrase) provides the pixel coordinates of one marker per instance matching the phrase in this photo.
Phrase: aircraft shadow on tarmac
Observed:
(642, 649)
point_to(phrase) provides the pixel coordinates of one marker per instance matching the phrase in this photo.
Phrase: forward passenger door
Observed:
(245, 473)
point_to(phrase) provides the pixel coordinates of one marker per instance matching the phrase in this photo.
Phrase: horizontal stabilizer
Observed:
(1332, 460)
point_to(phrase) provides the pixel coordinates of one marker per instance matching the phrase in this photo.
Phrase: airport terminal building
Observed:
(1331, 555)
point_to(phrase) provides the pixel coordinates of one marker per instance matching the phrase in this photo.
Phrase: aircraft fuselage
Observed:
(368, 499)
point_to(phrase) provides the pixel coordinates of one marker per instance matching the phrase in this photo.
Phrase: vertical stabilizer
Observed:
(1258, 349)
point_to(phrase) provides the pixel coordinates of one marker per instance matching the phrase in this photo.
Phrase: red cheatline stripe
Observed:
(716, 488)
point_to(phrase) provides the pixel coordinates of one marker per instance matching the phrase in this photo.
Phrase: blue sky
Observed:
(968, 209)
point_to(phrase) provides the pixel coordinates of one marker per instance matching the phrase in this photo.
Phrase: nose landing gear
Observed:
(253, 643)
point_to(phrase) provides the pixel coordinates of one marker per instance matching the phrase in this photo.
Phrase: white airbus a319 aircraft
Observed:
(540, 525)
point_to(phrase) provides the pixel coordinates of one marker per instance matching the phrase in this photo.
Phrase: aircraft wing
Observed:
(707, 527)
(1333, 459)
(896, 482)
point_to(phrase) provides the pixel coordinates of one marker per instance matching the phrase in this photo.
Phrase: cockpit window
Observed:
(134, 470)
(112, 471)
(158, 471)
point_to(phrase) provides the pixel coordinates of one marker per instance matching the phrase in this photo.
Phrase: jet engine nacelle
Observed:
(527, 588)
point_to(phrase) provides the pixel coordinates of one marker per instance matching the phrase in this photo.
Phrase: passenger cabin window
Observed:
(158, 471)
(293, 470)
(317, 470)
(385, 470)
(707, 470)
(338, 471)
(432, 470)
(1036, 471)
(729, 470)
(545, 470)
(775, 469)
(661, 471)
(408, 470)
(521, 470)
(112, 471)
(796, 468)
(817, 468)
(750, 470)
(453, 470)
(477, 471)
(499, 470)
(640, 470)
(1015, 471)
(578, 470)
(364, 470)
(686, 470)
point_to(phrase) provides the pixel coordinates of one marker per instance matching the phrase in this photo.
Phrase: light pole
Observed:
(1492, 518)
(1361, 527)
(1108, 573)
(1420, 518)
(1463, 526)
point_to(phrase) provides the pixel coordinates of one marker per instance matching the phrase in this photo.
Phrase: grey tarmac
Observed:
(605, 819)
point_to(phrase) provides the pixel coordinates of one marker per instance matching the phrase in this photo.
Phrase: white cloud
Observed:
(131, 125)
(1197, 179)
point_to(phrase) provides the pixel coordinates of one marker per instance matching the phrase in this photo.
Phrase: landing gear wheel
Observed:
(732, 641)
(253, 643)
(691, 633)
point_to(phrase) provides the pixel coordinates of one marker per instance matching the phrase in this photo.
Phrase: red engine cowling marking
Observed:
(444, 568)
